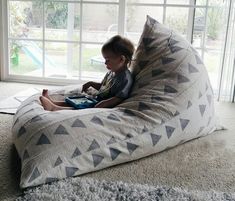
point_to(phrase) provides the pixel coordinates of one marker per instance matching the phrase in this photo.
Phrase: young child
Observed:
(116, 84)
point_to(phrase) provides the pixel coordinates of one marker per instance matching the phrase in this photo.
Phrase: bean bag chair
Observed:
(171, 102)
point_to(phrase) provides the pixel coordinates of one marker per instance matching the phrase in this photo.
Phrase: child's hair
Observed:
(120, 46)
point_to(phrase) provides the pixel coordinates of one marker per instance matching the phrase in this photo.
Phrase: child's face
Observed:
(114, 62)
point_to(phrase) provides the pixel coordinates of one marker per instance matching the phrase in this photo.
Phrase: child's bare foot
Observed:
(47, 104)
(45, 93)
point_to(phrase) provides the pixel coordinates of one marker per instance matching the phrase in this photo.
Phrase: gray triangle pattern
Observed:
(155, 138)
(35, 119)
(61, 130)
(21, 131)
(114, 153)
(169, 89)
(145, 129)
(192, 69)
(58, 161)
(78, 123)
(97, 159)
(166, 60)
(128, 112)
(131, 147)
(113, 117)
(189, 104)
(173, 41)
(182, 79)
(112, 140)
(94, 145)
(128, 136)
(76, 153)
(43, 140)
(202, 109)
(34, 175)
(25, 155)
(147, 41)
(156, 72)
(169, 131)
(143, 106)
(184, 123)
(162, 121)
(176, 113)
(70, 171)
(97, 120)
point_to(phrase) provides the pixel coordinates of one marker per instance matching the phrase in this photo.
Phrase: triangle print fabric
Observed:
(171, 102)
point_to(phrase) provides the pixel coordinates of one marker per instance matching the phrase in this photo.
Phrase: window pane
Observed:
(201, 2)
(92, 62)
(136, 17)
(25, 19)
(216, 19)
(182, 2)
(25, 58)
(177, 19)
(62, 21)
(199, 27)
(146, 1)
(210, 38)
(61, 60)
(217, 2)
(212, 60)
(100, 25)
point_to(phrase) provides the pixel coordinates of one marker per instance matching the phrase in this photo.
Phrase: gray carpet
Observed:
(82, 189)
(204, 164)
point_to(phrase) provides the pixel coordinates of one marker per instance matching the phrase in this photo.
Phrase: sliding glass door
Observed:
(60, 40)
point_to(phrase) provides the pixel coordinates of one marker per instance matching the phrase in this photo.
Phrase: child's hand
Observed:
(86, 86)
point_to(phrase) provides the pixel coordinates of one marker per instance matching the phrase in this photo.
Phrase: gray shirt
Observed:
(116, 84)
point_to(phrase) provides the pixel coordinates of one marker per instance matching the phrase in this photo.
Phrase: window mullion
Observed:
(122, 17)
(191, 17)
(204, 33)
(4, 37)
(80, 42)
(164, 12)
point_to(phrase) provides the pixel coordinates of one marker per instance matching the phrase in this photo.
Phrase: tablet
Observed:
(81, 102)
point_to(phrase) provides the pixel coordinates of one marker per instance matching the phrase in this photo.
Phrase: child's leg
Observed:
(50, 106)
(60, 103)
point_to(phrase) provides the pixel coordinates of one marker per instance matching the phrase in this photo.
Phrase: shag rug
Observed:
(79, 189)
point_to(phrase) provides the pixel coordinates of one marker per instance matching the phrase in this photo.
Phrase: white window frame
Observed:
(30, 79)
